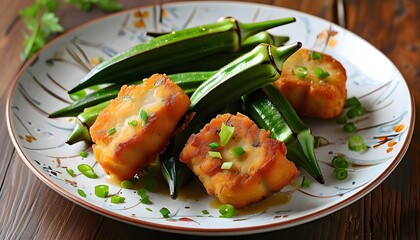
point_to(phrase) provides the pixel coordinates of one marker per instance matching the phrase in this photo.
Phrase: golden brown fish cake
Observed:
(122, 142)
(313, 96)
(262, 170)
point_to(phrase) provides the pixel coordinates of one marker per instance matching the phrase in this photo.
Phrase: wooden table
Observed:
(31, 210)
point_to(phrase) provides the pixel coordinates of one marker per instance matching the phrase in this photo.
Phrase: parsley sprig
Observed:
(41, 22)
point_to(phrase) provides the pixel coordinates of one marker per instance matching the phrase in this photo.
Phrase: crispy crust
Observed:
(311, 96)
(123, 153)
(261, 171)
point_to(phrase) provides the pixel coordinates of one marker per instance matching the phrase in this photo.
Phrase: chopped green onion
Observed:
(352, 102)
(117, 199)
(143, 116)
(301, 72)
(87, 171)
(127, 184)
(213, 145)
(356, 143)
(316, 55)
(356, 111)
(319, 72)
(205, 211)
(305, 182)
(83, 154)
(101, 191)
(149, 209)
(341, 119)
(81, 192)
(225, 134)
(341, 173)
(237, 151)
(165, 212)
(226, 165)
(227, 210)
(144, 196)
(111, 131)
(349, 127)
(132, 123)
(215, 154)
(70, 171)
(339, 162)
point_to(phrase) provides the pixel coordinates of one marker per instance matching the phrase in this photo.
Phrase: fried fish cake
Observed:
(137, 125)
(316, 94)
(260, 171)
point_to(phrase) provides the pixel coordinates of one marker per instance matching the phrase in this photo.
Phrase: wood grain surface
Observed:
(31, 210)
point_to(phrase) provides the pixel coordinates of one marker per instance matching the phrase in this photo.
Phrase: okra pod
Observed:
(80, 133)
(253, 70)
(188, 81)
(174, 49)
(218, 60)
(278, 119)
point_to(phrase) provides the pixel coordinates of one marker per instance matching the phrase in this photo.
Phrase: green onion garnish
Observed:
(111, 131)
(117, 199)
(352, 102)
(213, 145)
(339, 162)
(149, 209)
(305, 182)
(301, 71)
(205, 211)
(215, 154)
(319, 72)
(101, 191)
(356, 111)
(87, 171)
(237, 151)
(70, 171)
(349, 127)
(127, 184)
(227, 211)
(132, 123)
(316, 55)
(144, 196)
(341, 119)
(143, 116)
(81, 192)
(165, 212)
(225, 134)
(341, 173)
(226, 165)
(356, 143)
(83, 154)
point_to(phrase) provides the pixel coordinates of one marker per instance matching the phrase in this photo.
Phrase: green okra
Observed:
(271, 111)
(218, 60)
(80, 133)
(251, 71)
(174, 49)
(89, 115)
(188, 81)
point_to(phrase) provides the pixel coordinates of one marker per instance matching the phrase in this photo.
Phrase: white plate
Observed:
(40, 88)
